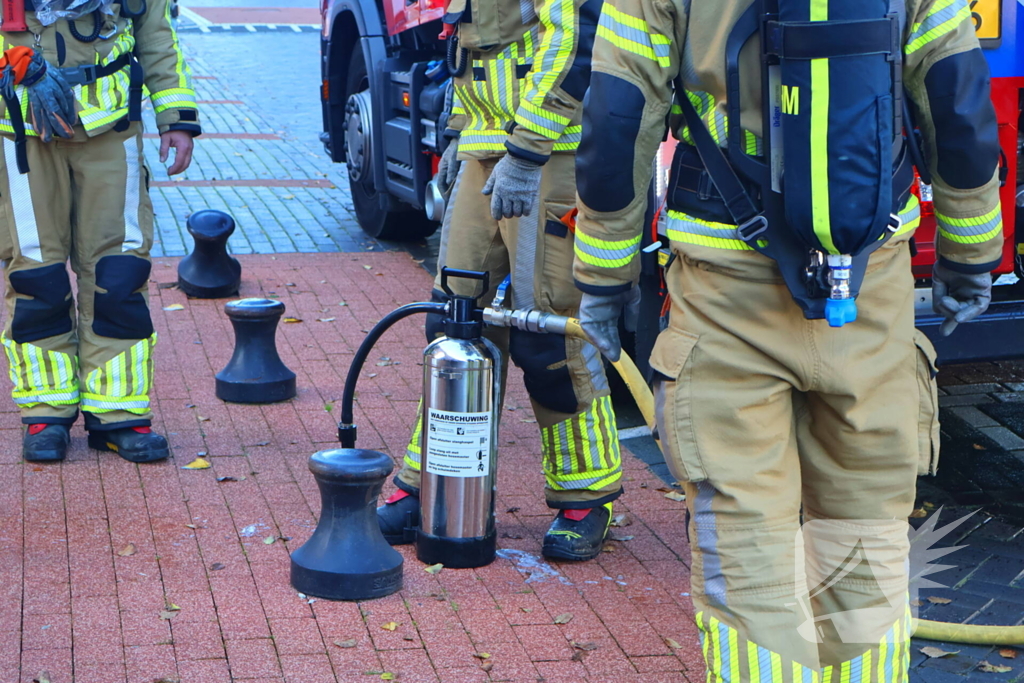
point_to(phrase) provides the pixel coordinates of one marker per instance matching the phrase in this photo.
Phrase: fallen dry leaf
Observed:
(408, 638)
(676, 496)
(608, 549)
(386, 676)
(216, 566)
(482, 655)
(127, 551)
(583, 646)
(1007, 653)
(564, 618)
(512, 510)
(939, 601)
(985, 667)
(674, 644)
(293, 320)
(514, 537)
(174, 307)
(616, 537)
(351, 642)
(191, 526)
(168, 614)
(978, 447)
(203, 419)
(663, 489)
(43, 677)
(487, 666)
(622, 519)
(578, 655)
(199, 463)
(165, 679)
(434, 568)
(390, 626)
(367, 267)
(326, 320)
(936, 652)
(918, 513)
(269, 539)
(223, 479)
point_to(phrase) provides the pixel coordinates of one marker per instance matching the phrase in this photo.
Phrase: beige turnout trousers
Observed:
(767, 416)
(564, 376)
(84, 199)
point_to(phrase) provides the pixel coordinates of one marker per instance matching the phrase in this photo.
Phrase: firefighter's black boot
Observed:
(134, 444)
(399, 517)
(45, 442)
(578, 534)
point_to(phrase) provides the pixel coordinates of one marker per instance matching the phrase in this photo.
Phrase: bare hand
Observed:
(182, 143)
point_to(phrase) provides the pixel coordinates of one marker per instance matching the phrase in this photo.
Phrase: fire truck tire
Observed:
(379, 214)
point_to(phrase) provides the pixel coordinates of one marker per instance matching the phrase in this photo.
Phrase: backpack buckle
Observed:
(895, 223)
(753, 228)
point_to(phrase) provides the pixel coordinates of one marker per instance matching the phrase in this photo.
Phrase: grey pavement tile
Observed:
(1014, 386)
(1004, 437)
(1014, 397)
(963, 400)
(985, 388)
(973, 416)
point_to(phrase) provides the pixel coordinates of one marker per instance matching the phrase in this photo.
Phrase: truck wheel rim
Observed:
(358, 135)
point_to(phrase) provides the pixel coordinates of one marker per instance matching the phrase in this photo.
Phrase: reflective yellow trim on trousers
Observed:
(582, 453)
(414, 451)
(820, 96)
(123, 382)
(41, 376)
(721, 646)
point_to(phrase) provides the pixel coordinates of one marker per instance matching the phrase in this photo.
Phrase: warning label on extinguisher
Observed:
(457, 444)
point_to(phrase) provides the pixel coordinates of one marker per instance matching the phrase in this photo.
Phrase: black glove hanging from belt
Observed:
(51, 102)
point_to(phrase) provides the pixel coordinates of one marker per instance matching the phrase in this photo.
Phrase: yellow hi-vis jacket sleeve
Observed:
(168, 76)
(636, 57)
(948, 80)
(555, 85)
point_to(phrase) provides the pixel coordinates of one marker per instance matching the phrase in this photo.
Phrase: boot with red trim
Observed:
(45, 442)
(578, 534)
(399, 518)
(134, 444)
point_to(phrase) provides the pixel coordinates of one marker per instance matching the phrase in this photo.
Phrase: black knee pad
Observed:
(535, 354)
(48, 312)
(121, 312)
(435, 321)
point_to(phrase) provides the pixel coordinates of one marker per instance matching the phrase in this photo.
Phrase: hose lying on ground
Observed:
(970, 634)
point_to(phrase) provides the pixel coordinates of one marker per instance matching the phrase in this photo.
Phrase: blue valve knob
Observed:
(838, 312)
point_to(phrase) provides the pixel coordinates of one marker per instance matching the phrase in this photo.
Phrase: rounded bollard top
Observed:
(351, 465)
(210, 224)
(254, 308)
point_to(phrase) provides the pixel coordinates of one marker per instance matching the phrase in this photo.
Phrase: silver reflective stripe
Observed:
(446, 222)
(526, 259)
(21, 205)
(707, 541)
(527, 11)
(132, 199)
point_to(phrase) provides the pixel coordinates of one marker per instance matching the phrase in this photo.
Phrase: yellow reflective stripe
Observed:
(971, 230)
(820, 97)
(173, 98)
(632, 34)
(865, 669)
(606, 253)
(910, 216)
(558, 18)
(541, 121)
(181, 67)
(690, 230)
(944, 16)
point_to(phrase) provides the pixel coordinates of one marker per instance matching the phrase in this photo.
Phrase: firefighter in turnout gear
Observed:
(74, 186)
(771, 418)
(516, 121)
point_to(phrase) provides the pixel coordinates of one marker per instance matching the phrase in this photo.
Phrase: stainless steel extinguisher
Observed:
(461, 406)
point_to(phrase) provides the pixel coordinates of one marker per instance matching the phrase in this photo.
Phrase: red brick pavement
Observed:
(80, 604)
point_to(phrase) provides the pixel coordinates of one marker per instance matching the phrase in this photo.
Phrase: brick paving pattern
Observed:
(82, 605)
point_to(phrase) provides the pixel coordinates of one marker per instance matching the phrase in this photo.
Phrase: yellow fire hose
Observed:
(972, 634)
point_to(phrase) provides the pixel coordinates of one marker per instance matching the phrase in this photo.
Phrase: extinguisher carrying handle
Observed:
(482, 276)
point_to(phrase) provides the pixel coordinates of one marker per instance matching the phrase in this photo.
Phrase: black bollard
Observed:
(255, 373)
(347, 557)
(208, 272)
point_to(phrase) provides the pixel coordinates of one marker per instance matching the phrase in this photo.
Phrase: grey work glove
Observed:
(599, 318)
(514, 186)
(448, 168)
(959, 297)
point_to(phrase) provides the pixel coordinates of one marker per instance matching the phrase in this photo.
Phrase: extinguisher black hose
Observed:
(346, 428)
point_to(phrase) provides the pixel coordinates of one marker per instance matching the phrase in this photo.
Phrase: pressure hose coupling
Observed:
(527, 321)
